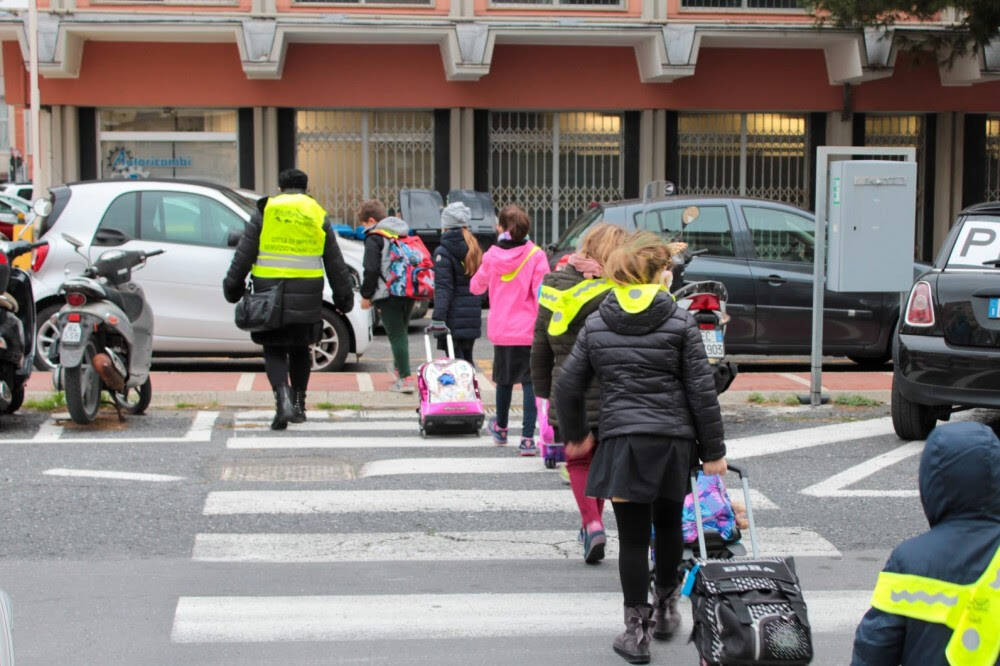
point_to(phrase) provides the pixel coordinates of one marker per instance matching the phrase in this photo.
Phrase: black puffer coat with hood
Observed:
(654, 376)
(960, 492)
(454, 304)
(549, 352)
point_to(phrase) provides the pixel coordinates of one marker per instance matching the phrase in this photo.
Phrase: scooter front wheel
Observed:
(134, 400)
(83, 389)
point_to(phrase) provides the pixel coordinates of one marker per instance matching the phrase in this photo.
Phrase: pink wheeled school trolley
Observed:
(449, 394)
(552, 451)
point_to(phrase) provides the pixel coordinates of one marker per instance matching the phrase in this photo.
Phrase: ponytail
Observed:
(474, 257)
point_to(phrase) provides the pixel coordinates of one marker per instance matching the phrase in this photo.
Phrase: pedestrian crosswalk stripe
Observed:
(779, 442)
(290, 441)
(51, 432)
(531, 545)
(242, 502)
(335, 427)
(253, 619)
(503, 465)
(338, 415)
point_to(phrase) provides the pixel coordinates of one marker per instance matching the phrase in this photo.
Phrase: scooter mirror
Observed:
(42, 207)
(72, 241)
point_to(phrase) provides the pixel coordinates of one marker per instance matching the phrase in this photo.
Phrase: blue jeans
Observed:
(505, 393)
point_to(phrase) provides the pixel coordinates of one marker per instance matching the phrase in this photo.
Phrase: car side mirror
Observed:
(233, 238)
(110, 237)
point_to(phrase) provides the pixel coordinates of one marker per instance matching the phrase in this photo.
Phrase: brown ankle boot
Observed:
(633, 643)
(665, 613)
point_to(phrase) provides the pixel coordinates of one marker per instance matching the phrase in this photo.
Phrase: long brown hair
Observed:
(601, 241)
(515, 221)
(474, 257)
(640, 260)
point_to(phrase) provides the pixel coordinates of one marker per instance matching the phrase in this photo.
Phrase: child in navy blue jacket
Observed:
(456, 259)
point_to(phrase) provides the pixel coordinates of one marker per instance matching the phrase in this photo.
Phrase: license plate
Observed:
(714, 347)
(71, 333)
(994, 312)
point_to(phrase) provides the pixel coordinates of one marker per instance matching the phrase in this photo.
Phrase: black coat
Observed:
(302, 301)
(655, 378)
(549, 352)
(454, 304)
(960, 493)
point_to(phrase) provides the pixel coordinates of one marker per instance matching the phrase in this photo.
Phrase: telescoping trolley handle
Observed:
(697, 509)
(427, 342)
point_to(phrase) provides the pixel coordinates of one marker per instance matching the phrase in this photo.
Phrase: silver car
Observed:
(192, 221)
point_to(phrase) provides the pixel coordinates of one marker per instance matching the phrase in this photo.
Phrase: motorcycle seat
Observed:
(8, 302)
(131, 304)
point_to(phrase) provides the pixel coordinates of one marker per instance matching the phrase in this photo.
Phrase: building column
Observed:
(455, 148)
(468, 149)
(660, 144)
(839, 132)
(646, 148)
(269, 150)
(70, 144)
(57, 144)
(948, 153)
(44, 152)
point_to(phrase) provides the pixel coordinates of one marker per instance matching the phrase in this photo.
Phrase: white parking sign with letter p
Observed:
(978, 242)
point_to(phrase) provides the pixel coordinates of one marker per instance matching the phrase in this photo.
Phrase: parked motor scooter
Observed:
(17, 325)
(105, 336)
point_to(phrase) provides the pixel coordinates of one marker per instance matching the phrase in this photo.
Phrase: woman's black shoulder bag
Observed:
(260, 310)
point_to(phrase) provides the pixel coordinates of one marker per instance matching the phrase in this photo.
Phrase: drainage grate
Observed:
(291, 472)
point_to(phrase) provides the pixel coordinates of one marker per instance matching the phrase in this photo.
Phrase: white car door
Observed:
(184, 285)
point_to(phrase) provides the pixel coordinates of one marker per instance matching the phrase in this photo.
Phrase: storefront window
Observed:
(169, 143)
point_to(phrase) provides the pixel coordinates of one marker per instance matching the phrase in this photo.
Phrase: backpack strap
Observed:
(508, 277)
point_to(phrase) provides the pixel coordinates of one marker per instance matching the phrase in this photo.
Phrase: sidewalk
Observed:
(371, 389)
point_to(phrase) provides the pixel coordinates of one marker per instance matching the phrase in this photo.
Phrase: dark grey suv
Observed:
(763, 252)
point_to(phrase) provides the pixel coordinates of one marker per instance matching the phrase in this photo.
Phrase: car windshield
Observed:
(977, 243)
(244, 204)
(16, 203)
(579, 228)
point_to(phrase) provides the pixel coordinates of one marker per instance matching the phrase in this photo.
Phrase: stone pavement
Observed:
(370, 389)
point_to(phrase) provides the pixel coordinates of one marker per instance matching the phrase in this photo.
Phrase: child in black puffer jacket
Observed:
(456, 259)
(659, 414)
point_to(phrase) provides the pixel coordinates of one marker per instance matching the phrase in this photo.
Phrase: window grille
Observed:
(903, 131)
(993, 159)
(352, 156)
(561, 3)
(762, 155)
(741, 4)
(555, 164)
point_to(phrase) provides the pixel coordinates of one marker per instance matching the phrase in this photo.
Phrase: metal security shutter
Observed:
(352, 156)
(903, 131)
(761, 155)
(992, 159)
(555, 164)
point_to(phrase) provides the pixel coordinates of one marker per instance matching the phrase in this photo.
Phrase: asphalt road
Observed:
(351, 541)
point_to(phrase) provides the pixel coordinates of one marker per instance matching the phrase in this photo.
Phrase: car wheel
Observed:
(46, 337)
(911, 420)
(330, 353)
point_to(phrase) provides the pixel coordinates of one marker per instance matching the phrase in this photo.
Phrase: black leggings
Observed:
(633, 536)
(283, 363)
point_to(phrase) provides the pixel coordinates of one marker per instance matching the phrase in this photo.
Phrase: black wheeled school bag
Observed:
(747, 611)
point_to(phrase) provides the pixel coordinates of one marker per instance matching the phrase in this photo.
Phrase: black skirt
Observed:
(511, 365)
(290, 335)
(641, 468)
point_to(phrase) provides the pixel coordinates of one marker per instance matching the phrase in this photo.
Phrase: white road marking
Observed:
(790, 440)
(390, 414)
(799, 380)
(453, 466)
(241, 502)
(338, 415)
(530, 545)
(51, 433)
(836, 485)
(484, 381)
(356, 442)
(246, 382)
(365, 384)
(441, 616)
(314, 425)
(107, 474)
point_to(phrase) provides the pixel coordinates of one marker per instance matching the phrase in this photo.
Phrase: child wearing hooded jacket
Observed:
(456, 259)
(659, 413)
(512, 272)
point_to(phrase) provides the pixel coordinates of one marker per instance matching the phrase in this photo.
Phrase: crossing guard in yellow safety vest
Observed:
(292, 239)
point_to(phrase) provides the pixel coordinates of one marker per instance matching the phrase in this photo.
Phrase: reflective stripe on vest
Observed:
(507, 277)
(637, 297)
(565, 304)
(292, 239)
(971, 611)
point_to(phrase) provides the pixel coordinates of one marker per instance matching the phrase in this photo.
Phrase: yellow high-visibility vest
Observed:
(507, 277)
(292, 239)
(565, 304)
(971, 611)
(637, 297)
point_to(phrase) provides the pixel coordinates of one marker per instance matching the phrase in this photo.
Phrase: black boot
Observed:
(633, 643)
(299, 407)
(283, 409)
(665, 613)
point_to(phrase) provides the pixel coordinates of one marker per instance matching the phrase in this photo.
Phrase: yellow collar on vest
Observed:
(635, 298)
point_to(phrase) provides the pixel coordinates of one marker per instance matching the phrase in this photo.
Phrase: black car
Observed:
(947, 351)
(763, 252)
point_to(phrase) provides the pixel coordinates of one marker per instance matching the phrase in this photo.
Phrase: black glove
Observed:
(233, 291)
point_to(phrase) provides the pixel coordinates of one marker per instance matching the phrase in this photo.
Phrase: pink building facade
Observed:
(548, 103)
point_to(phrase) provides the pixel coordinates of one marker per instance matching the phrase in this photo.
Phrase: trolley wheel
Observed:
(550, 463)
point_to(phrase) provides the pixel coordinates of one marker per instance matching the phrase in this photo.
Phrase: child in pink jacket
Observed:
(512, 272)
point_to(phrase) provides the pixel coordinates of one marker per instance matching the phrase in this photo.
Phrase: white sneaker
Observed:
(409, 384)
(397, 386)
